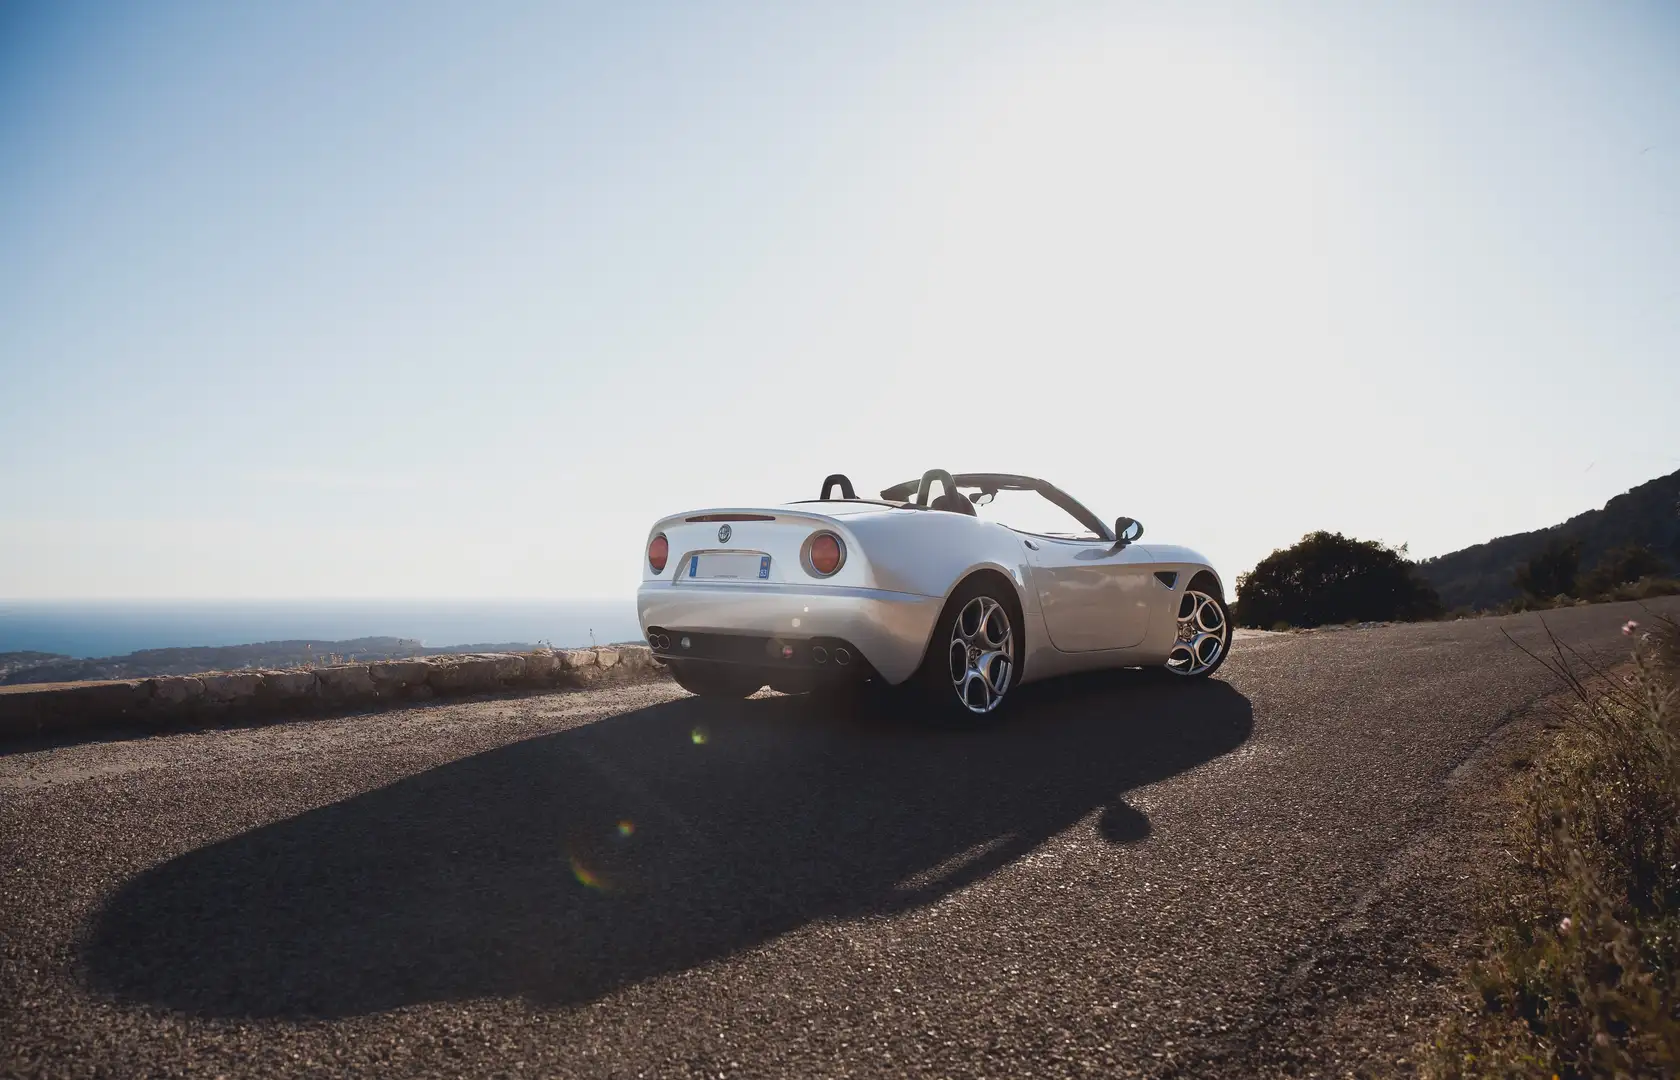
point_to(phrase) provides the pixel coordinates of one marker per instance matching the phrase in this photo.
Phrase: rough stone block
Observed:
(636, 658)
(391, 676)
(541, 666)
(287, 685)
(606, 657)
(576, 658)
(466, 674)
(174, 691)
(344, 682)
(230, 688)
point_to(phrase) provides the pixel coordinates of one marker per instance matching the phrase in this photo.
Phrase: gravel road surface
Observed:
(1132, 876)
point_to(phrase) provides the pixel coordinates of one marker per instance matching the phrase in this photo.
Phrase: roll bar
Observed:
(845, 485)
(926, 487)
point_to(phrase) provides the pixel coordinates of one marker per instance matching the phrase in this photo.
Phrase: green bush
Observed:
(1329, 578)
(1583, 979)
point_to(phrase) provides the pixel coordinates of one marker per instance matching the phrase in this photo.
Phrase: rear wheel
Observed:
(972, 659)
(720, 681)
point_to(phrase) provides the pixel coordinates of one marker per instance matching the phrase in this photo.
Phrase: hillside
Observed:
(16, 661)
(48, 668)
(1480, 576)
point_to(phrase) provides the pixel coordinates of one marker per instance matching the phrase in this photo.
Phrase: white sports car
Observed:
(993, 581)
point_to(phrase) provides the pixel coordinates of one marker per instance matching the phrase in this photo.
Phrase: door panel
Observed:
(1092, 596)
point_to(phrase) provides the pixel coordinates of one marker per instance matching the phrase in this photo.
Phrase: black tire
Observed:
(1194, 669)
(933, 689)
(718, 681)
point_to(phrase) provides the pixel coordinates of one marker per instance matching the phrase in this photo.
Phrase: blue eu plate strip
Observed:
(693, 564)
(764, 567)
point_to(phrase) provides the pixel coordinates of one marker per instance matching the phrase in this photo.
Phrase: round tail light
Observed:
(658, 551)
(825, 554)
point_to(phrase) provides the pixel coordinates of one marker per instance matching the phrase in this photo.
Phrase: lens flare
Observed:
(586, 877)
(699, 736)
(626, 828)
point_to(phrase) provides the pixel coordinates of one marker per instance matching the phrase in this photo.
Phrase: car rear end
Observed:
(787, 590)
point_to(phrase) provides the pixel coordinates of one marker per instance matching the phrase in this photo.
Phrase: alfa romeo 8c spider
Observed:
(957, 588)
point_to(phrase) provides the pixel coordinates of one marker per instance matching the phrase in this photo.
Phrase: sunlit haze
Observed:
(405, 300)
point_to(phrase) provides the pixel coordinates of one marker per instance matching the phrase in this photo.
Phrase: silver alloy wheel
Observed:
(1203, 633)
(982, 654)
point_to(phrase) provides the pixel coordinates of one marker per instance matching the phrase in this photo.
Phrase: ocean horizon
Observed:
(97, 628)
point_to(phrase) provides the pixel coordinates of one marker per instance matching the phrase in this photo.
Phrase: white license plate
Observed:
(728, 566)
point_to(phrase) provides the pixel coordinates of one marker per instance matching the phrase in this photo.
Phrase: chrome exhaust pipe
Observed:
(819, 654)
(842, 657)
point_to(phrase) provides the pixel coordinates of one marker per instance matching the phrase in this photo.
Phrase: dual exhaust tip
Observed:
(659, 641)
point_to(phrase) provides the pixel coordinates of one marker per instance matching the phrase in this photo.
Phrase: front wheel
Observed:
(1204, 635)
(721, 681)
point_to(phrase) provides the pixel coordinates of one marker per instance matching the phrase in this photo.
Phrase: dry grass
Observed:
(1582, 974)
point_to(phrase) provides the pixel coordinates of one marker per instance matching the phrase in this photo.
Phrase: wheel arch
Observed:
(1006, 586)
(1206, 578)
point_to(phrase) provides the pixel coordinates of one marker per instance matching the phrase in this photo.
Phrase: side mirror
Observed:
(1126, 531)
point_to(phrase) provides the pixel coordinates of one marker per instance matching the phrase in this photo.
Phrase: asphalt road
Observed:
(1131, 876)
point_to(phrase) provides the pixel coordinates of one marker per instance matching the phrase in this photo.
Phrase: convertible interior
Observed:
(960, 493)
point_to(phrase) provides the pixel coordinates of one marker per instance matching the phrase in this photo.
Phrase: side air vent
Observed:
(1169, 578)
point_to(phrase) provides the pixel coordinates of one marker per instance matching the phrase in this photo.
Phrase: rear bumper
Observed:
(889, 629)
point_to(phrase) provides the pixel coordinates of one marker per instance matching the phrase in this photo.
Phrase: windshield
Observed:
(1028, 512)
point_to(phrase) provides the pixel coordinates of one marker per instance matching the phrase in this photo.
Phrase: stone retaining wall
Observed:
(171, 701)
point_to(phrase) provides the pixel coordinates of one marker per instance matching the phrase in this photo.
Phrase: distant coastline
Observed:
(111, 629)
(18, 668)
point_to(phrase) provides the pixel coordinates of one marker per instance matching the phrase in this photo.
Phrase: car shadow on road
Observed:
(565, 866)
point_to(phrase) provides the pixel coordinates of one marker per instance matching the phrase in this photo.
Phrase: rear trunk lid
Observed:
(752, 546)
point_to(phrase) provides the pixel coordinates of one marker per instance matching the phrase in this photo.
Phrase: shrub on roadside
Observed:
(1329, 578)
(1583, 977)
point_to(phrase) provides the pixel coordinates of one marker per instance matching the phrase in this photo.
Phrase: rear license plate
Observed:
(729, 566)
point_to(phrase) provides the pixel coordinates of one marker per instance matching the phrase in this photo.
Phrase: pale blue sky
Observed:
(405, 299)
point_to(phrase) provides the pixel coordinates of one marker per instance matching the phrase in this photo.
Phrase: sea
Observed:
(113, 628)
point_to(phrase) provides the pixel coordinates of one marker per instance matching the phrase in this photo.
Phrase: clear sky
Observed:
(317, 299)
